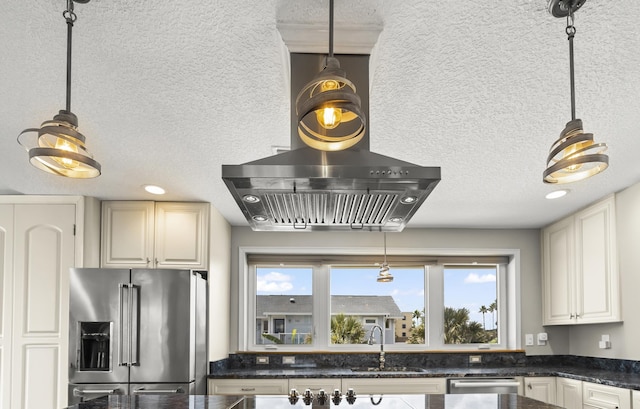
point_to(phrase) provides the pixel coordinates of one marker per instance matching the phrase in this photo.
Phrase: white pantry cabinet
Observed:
(542, 388)
(569, 393)
(41, 238)
(605, 397)
(143, 234)
(580, 271)
(377, 386)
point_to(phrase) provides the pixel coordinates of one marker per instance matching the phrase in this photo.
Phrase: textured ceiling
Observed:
(166, 92)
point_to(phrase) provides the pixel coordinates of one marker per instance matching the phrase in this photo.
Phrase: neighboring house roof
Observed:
(346, 304)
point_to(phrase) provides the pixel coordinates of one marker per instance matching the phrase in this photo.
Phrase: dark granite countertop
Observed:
(483, 401)
(160, 402)
(605, 377)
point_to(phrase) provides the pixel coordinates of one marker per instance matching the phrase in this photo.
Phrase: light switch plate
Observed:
(528, 339)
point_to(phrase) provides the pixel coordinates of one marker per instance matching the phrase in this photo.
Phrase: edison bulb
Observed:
(571, 150)
(64, 145)
(329, 118)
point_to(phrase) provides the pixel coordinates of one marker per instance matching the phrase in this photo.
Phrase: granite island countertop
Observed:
(601, 376)
(469, 401)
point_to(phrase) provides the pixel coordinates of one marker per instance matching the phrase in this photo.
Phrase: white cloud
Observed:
(274, 282)
(474, 278)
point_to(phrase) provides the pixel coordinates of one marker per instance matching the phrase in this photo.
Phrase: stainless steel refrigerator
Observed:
(137, 332)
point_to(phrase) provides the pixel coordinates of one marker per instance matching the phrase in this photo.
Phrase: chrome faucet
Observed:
(370, 342)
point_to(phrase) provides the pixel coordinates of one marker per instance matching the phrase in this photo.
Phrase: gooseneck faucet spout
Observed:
(370, 342)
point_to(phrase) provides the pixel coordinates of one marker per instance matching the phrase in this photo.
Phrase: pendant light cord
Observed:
(571, 31)
(330, 28)
(384, 235)
(70, 17)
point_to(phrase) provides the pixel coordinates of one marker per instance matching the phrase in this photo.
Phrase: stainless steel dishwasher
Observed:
(482, 385)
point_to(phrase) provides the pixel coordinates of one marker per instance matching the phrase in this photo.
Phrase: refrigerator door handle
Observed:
(135, 324)
(82, 392)
(143, 391)
(121, 361)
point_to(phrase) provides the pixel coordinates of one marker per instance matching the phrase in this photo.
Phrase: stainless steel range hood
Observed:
(308, 190)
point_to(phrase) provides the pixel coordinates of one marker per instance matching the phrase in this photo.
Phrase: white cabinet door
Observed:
(138, 234)
(605, 397)
(597, 282)
(44, 246)
(542, 388)
(128, 229)
(181, 237)
(379, 386)
(635, 398)
(6, 301)
(558, 272)
(248, 387)
(569, 393)
(580, 273)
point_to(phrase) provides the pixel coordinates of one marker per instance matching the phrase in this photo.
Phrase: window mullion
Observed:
(321, 306)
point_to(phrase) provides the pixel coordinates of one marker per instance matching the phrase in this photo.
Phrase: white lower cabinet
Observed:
(635, 399)
(377, 386)
(605, 397)
(315, 384)
(542, 388)
(361, 386)
(248, 386)
(569, 393)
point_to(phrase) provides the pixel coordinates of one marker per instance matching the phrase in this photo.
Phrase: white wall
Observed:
(624, 336)
(219, 274)
(527, 241)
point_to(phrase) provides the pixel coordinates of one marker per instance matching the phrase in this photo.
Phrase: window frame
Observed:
(508, 288)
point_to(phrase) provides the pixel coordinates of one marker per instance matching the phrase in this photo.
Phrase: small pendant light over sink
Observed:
(574, 156)
(385, 276)
(59, 147)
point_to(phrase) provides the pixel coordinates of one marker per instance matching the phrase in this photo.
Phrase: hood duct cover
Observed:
(308, 190)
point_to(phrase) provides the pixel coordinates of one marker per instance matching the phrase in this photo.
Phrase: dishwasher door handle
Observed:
(463, 384)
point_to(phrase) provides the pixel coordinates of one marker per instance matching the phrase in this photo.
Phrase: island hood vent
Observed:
(305, 189)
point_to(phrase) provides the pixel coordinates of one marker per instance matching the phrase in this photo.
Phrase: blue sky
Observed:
(469, 288)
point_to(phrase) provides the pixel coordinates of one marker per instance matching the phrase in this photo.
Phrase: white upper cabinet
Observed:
(580, 273)
(140, 234)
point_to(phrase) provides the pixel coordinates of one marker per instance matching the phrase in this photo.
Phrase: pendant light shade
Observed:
(384, 275)
(58, 147)
(574, 156)
(330, 116)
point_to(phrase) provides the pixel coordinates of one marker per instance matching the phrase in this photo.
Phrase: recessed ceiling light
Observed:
(251, 198)
(408, 199)
(260, 218)
(155, 190)
(557, 194)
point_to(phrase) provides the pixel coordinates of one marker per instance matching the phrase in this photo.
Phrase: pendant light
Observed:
(59, 147)
(385, 276)
(330, 116)
(574, 156)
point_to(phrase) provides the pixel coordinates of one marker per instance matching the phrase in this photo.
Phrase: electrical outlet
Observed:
(262, 360)
(542, 338)
(475, 359)
(528, 339)
(288, 360)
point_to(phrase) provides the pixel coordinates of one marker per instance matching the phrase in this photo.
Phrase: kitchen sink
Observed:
(387, 369)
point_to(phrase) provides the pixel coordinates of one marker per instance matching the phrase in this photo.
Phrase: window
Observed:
(283, 297)
(318, 303)
(470, 305)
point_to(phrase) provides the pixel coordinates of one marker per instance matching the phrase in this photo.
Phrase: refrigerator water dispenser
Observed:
(95, 346)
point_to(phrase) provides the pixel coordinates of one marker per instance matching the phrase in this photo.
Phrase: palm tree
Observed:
(492, 309)
(417, 316)
(459, 330)
(346, 330)
(483, 310)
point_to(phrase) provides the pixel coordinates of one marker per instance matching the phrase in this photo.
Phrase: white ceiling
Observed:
(167, 91)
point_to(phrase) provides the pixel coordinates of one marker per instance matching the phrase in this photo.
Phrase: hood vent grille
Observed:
(352, 211)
